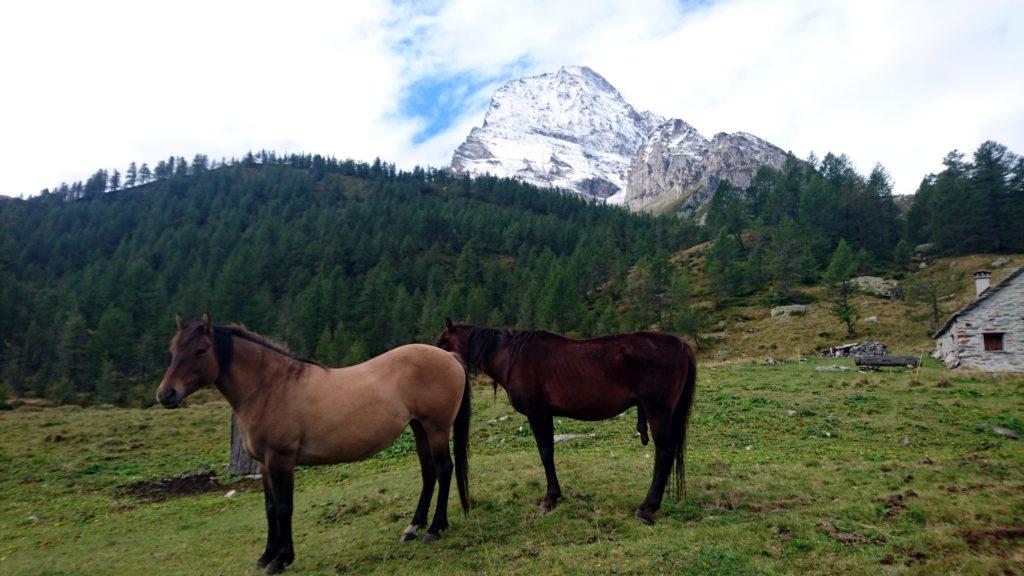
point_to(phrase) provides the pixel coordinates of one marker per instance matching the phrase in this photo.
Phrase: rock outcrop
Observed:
(678, 169)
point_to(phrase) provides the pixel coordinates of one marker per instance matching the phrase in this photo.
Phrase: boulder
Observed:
(871, 320)
(567, 437)
(876, 286)
(787, 311)
(1000, 262)
(833, 368)
(924, 248)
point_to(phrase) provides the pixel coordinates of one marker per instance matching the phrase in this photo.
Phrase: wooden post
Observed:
(241, 464)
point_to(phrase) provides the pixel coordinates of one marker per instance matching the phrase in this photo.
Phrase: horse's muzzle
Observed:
(169, 398)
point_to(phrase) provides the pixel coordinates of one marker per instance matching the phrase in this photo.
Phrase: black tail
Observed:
(461, 441)
(681, 417)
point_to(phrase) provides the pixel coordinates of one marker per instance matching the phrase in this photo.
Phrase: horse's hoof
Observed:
(430, 537)
(547, 506)
(645, 517)
(276, 566)
(410, 533)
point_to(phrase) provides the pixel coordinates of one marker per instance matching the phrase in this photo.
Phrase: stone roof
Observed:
(977, 301)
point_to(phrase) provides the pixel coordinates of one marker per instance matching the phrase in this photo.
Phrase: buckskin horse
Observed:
(547, 375)
(298, 412)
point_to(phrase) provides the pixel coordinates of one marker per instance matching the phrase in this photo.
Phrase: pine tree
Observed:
(840, 270)
(108, 385)
(114, 339)
(724, 267)
(683, 318)
(131, 176)
(726, 211)
(73, 351)
(356, 353)
(928, 295)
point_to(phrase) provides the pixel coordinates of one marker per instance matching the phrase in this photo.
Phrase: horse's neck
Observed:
(252, 376)
(498, 360)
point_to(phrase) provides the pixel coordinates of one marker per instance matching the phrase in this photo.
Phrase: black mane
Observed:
(223, 345)
(481, 343)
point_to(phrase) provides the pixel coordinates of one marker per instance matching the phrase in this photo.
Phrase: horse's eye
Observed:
(201, 351)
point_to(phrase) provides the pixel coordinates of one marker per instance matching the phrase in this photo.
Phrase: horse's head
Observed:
(193, 363)
(454, 337)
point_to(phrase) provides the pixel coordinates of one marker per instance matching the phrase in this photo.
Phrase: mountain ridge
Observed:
(572, 129)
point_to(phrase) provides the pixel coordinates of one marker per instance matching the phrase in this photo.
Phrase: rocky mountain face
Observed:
(573, 130)
(677, 169)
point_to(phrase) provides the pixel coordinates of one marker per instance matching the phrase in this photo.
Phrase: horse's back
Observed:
(596, 378)
(430, 381)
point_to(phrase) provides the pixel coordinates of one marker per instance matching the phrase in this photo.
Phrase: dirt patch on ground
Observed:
(897, 503)
(997, 538)
(848, 538)
(190, 484)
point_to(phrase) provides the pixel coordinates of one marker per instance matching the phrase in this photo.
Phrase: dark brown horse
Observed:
(293, 411)
(548, 375)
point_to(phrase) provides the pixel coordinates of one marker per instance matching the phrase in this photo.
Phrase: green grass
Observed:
(823, 448)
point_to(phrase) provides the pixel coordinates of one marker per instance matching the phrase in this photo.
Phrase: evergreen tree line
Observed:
(973, 206)
(342, 260)
(790, 224)
(338, 260)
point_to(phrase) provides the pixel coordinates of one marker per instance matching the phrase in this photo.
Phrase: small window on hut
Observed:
(993, 341)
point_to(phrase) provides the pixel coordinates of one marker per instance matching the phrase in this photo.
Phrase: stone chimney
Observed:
(981, 281)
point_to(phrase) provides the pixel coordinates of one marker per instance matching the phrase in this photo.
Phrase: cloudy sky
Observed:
(98, 84)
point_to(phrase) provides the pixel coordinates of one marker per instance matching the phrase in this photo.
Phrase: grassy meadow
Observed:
(791, 470)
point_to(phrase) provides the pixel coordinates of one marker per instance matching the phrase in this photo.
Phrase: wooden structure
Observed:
(241, 464)
(876, 362)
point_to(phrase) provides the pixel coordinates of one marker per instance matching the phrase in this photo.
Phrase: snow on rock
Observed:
(573, 130)
(570, 129)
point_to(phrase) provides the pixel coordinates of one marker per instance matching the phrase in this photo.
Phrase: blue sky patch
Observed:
(439, 100)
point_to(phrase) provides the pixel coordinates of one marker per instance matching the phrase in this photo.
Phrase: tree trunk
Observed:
(241, 464)
(876, 361)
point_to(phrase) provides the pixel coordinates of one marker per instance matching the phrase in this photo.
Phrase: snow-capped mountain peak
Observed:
(568, 129)
(572, 130)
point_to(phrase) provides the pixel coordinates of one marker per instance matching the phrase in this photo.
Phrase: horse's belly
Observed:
(589, 405)
(348, 443)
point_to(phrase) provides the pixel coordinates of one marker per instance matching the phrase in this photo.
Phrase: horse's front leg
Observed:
(268, 502)
(544, 433)
(280, 468)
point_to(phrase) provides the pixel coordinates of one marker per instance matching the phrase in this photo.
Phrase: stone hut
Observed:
(988, 333)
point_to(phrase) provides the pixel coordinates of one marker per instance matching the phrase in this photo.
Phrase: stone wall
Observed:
(963, 344)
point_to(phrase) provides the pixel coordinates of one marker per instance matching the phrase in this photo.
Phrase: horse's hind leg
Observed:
(664, 450)
(544, 433)
(419, 518)
(641, 424)
(443, 467)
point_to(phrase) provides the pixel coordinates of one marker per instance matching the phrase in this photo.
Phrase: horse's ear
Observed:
(448, 324)
(180, 320)
(206, 322)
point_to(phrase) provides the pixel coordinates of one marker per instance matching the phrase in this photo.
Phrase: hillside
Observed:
(342, 260)
(742, 327)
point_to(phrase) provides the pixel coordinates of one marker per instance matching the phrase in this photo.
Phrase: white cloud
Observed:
(90, 85)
